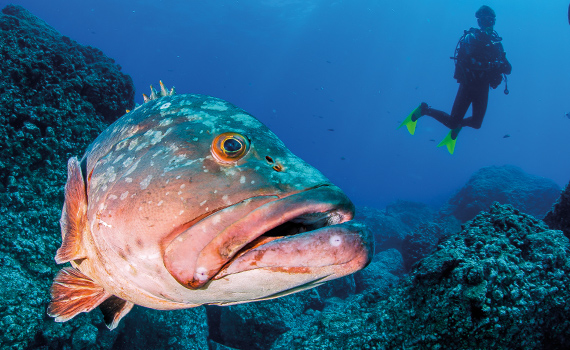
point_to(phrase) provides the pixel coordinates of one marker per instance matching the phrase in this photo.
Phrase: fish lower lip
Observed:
(321, 206)
(340, 249)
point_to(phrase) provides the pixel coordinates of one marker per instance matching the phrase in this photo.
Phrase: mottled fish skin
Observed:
(164, 216)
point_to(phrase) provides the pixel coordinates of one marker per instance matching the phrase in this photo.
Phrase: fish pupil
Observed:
(232, 145)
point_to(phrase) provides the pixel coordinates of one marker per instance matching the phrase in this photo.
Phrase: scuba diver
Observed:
(480, 62)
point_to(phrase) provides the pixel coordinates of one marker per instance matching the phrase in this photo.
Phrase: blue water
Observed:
(333, 79)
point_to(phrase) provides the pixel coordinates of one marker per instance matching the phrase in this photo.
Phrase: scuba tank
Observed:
(462, 72)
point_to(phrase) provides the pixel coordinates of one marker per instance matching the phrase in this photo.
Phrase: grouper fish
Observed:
(188, 200)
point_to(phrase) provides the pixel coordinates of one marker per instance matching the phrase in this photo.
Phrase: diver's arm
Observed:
(505, 64)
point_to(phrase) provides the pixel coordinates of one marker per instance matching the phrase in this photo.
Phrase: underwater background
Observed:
(333, 79)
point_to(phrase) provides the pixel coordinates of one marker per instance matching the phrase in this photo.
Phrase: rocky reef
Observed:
(506, 184)
(501, 283)
(558, 217)
(56, 96)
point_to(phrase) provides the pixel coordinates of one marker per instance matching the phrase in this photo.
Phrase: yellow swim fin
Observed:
(412, 119)
(450, 140)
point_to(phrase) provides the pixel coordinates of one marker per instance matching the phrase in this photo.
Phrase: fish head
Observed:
(192, 188)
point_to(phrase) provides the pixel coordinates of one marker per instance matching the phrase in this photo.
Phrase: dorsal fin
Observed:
(74, 215)
(72, 293)
(114, 309)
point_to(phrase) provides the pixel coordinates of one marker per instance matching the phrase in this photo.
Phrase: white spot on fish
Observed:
(205, 170)
(141, 146)
(178, 177)
(201, 274)
(124, 195)
(104, 223)
(133, 144)
(195, 139)
(216, 219)
(335, 240)
(118, 158)
(215, 105)
(181, 212)
(252, 182)
(164, 106)
(133, 168)
(144, 183)
(157, 153)
(159, 203)
(247, 120)
(242, 179)
(204, 202)
(128, 161)
(129, 179)
(110, 174)
(113, 197)
(182, 186)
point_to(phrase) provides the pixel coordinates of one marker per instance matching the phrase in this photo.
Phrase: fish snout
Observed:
(302, 232)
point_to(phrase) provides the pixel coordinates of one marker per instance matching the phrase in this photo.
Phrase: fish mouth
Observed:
(307, 232)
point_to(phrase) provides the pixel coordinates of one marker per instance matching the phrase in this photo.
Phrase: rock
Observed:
(423, 240)
(382, 274)
(558, 218)
(257, 325)
(390, 226)
(56, 96)
(84, 337)
(507, 185)
(501, 283)
(156, 329)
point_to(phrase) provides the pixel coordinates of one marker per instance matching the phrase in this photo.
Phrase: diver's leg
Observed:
(479, 106)
(460, 106)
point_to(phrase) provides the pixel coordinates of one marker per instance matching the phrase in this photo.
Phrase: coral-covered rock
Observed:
(390, 226)
(501, 283)
(558, 218)
(155, 329)
(423, 240)
(257, 325)
(56, 96)
(507, 184)
(383, 272)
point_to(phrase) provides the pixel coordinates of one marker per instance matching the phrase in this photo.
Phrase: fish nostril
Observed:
(269, 159)
(277, 167)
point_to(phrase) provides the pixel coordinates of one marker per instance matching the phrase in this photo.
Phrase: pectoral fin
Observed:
(74, 215)
(114, 309)
(72, 293)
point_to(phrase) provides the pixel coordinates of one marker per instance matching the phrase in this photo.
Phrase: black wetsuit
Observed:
(480, 63)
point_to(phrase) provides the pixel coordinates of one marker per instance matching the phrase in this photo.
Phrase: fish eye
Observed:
(229, 147)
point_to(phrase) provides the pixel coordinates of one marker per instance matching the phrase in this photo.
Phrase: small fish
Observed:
(506, 136)
(188, 200)
(567, 115)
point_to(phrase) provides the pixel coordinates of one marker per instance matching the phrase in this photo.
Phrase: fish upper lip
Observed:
(325, 205)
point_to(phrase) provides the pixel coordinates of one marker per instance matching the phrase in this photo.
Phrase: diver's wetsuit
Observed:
(481, 61)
